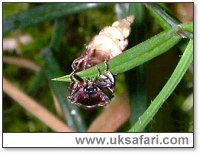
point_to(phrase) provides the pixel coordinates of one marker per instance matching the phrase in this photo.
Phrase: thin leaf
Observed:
(175, 78)
(188, 27)
(38, 82)
(52, 69)
(136, 78)
(138, 92)
(166, 21)
(137, 9)
(44, 12)
(57, 34)
(135, 56)
(71, 111)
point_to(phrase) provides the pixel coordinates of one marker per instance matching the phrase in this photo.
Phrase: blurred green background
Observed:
(77, 30)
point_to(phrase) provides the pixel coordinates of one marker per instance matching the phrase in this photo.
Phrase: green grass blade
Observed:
(44, 12)
(166, 21)
(175, 78)
(59, 30)
(52, 69)
(137, 91)
(136, 78)
(139, 99)
(38, 81)
(138, 10)
(135, 56)
(188, 27)
(71, 112)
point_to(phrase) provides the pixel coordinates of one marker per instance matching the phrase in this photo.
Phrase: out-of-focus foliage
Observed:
(78, 29)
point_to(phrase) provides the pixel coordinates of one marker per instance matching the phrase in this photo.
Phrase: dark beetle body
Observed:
(92, 93)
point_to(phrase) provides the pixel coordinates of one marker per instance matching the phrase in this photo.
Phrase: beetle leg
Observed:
(100, 75)
(109, 73)
(98, 69)
(107, 80)
(74, 77)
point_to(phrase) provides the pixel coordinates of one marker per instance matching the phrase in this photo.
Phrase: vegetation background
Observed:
(41, 40)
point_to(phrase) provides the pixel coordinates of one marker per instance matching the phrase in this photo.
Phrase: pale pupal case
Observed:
(113, 39)
(110, 42)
